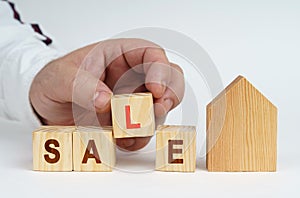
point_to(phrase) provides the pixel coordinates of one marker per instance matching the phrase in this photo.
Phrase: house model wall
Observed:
(241, 130)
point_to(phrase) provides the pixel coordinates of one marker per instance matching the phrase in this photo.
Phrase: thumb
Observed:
(88, 91)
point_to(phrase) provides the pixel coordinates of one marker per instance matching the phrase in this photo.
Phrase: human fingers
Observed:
(132, 144)
(68, 83)
(173, 94)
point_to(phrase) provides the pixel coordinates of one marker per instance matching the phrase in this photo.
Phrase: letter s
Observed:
(52, 150)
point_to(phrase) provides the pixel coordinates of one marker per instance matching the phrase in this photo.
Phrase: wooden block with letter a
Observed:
(132, 115)
(176, 148)
(93, 149)
(241, 130)
(52, 148)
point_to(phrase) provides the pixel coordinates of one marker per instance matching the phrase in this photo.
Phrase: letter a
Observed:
(91, 146)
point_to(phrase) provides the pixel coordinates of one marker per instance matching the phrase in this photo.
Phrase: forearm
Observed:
(22, 56)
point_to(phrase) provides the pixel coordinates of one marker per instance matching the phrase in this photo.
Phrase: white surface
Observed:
(259, 39)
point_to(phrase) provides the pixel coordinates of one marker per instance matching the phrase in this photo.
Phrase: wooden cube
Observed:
(241, 130)
(133, 115)
(93, 149)
(176, 148)
(52, 148)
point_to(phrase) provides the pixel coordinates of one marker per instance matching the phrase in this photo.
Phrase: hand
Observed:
(59, 89)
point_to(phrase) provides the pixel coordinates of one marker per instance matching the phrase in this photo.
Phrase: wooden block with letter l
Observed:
(241, 130)
(52, 148)
(176, 148)
(133, 115)
(93, 149)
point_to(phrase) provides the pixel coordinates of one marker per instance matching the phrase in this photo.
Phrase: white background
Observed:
(258, 39)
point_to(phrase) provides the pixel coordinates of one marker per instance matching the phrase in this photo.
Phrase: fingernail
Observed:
(163, 85)
(160, 89)
(101, 99)
(128, 142)
(168, 105)
(124, 143)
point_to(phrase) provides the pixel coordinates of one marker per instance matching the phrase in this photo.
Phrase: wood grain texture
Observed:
(141, 113)
(102, 154)
(176, 148)
(52, 148)
(244, 136)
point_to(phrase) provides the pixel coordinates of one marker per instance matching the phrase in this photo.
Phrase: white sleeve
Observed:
(22, 56)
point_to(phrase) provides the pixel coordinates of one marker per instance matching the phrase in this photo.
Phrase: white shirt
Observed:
(22, 56)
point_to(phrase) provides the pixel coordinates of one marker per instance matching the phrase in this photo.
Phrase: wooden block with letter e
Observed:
(241, 130)
(93, 149)
(52, 148)
(132, 115)
(176, 148)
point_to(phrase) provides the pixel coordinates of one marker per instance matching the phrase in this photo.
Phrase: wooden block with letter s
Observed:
(93, 149)
(52, 148)
(176, 148)
(133, 115)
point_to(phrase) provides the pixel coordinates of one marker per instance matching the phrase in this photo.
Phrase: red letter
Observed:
(52, 150)
(171, 160)
(91, 146)
(129, 125)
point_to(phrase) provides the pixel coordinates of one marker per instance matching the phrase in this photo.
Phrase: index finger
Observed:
(155, 65)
